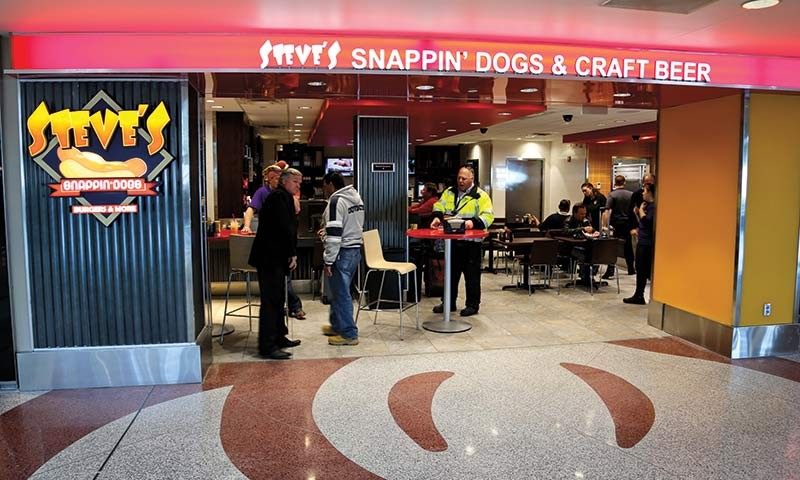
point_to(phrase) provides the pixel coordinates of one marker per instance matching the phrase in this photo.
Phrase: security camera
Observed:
(635, 138)
(567, 118)
(484, 130)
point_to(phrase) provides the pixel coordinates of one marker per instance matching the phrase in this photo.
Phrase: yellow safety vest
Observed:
(475, 205)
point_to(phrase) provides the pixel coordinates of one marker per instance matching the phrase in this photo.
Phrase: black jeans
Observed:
(644, 262)
(623, 231)
(271, 326)
(466, 259)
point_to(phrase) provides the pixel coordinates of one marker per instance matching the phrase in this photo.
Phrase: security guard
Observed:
(475, 207)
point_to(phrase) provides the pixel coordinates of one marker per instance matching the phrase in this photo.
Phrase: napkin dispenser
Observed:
(455, 225)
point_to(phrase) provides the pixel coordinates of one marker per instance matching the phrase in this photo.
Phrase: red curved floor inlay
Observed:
(779, 367)
(410, 402)
(632, 411)
(268, 430)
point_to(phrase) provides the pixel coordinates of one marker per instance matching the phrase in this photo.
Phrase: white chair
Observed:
(239, 246)
(373, 255)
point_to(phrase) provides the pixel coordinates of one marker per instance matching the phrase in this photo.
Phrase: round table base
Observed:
(440, 326)
(217, 330)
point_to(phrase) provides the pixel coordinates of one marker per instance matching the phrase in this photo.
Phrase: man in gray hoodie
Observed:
(342, 237)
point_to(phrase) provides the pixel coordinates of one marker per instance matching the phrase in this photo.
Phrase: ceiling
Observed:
(444, 110)
(719, 26)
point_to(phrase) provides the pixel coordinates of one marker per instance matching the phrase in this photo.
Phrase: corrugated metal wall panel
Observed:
(383, 140)
(119, 285)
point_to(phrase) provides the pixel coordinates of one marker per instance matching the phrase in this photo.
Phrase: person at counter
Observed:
(616, 216)
(342, 236)
(557, 220)
(274, 255)
(593, 200)
(475, 207)
(424, 209)
(271, 175)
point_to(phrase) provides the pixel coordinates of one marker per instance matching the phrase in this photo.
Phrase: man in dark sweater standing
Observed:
(617, 214)
(274, 255)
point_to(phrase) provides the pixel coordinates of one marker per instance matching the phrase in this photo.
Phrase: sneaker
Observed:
(299, 314)
(636, 300)
(468, 311)
(328, 331)
(339, 340)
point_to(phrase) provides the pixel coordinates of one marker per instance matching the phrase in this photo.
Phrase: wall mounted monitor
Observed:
(344, 166)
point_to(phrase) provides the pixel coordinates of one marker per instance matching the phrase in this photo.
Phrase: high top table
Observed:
(446, 325)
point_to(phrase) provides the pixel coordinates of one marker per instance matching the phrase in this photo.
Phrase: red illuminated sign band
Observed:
(341, 53)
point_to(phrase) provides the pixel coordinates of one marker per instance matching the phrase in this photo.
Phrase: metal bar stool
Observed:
(239, 246)
(373, 255)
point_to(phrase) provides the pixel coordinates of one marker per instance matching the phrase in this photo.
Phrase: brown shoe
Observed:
(328, 331)
(339, 340)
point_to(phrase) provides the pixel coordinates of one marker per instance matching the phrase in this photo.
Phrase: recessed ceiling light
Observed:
(759, 4)
(304, 107)
(529, 90)
(504, 114)
(316, 83)
(418, 139)
(426, 96)
(216, 106)
(298, 124)
(444, 122)
(472, 90)
(433, 135)
(622, 94)
(208, 100)
(299, 117)
(474, 123)
(452, 130)
(601, 124)
(620, 121)
(424, 87)
(619, 102)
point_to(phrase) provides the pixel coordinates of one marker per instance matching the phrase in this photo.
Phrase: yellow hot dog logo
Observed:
(104, 125)
(78, 164)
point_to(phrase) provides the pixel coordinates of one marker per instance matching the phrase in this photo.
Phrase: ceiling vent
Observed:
(668, 6)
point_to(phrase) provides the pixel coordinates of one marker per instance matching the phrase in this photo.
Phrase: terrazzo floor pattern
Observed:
(526, 412)
(507, 318)
(547, 386)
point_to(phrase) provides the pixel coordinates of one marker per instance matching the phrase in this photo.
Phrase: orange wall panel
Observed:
(698, 176)
(772, 222)
(599, 156)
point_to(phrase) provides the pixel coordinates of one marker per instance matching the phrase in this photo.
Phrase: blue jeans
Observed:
(341, 311)
(295, 304)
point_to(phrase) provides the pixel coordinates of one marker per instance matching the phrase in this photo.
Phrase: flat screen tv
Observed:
(341, 165)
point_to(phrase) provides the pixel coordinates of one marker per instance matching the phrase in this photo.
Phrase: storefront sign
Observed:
(101, 155)
(340, 53)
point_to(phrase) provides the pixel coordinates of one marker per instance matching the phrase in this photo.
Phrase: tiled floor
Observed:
(506, 319)
(563, 386)
(652, 408)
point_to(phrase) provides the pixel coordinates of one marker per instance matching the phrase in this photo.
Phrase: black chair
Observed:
(543, 253)
(598, 252)
(240, 246)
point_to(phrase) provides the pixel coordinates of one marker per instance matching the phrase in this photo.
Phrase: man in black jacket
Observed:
(274, 255)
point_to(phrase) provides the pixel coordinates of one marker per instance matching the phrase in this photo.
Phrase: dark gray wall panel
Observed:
(124, 284)
(383, 140)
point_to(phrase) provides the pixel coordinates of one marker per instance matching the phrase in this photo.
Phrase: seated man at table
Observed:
(575, 226)
(557, 220)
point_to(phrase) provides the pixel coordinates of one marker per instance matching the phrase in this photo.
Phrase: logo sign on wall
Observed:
(102, 155)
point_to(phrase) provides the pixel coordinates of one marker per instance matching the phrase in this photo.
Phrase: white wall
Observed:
(564, 174)
(483, 152)
(564, 170)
